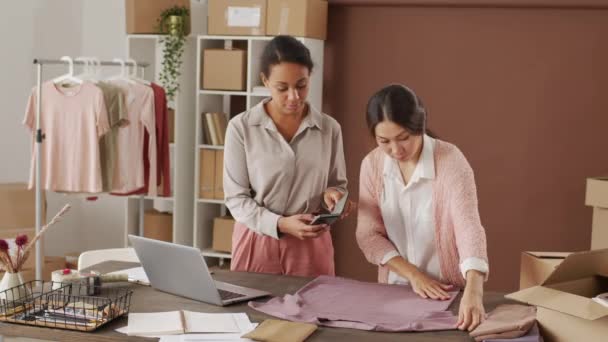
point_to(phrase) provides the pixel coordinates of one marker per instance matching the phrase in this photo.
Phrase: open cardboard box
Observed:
(566, 311)
(536, 267)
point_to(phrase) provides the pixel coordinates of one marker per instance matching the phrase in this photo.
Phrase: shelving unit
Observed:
(233, 103)
(149, 48)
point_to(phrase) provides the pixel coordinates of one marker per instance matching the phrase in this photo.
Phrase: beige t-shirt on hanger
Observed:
(114, 98)
(72, 120)
(129, 163)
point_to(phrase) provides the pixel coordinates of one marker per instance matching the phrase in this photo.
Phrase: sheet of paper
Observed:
(201, 322)
(136, 275)
(155, 324)
(244, 16)
(217, 337)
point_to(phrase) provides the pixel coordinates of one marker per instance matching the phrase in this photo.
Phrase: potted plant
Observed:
(174, 23)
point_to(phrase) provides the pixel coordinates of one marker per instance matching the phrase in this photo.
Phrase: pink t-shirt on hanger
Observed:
(129, 166)
(72, 119)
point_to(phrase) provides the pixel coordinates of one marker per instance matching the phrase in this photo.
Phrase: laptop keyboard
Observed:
(227, 295)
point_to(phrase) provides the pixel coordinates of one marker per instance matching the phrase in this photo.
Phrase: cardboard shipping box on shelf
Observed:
(597, 197)
(18, 206)
(142, 15)
(566, 310)
(300, 18)
(211, 174)
(224, 69)
(158, 225)
(537, 266)
(222, 234)
(236, 17)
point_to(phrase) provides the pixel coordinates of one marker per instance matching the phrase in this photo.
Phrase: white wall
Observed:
(34, 28)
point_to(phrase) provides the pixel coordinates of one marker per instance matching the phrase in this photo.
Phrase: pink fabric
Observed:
(254, 252)
(345, 303)
(72, 120)
(458, 233)
(129, 167)
(163, 179)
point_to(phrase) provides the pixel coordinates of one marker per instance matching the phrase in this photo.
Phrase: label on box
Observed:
(244, 16)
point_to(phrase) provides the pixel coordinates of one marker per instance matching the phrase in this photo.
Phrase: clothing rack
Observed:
(39, 63)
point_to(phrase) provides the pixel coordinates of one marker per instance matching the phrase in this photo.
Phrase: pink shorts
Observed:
(252, 252)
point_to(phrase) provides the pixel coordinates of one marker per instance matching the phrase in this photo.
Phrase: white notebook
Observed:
(182, 322)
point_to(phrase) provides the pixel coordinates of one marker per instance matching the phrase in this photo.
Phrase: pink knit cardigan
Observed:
(458, 230)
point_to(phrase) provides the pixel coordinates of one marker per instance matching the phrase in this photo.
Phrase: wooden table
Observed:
(146, 299)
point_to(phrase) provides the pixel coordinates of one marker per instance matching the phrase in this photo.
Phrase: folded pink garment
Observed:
(506, 321)
(345, 303)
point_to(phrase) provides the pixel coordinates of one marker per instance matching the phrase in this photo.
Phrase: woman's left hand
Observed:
(471, 312)
(331, 196)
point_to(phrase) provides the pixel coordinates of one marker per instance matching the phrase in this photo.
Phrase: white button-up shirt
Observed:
(409, 216)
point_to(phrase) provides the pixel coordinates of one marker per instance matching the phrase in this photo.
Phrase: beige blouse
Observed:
(266, 177)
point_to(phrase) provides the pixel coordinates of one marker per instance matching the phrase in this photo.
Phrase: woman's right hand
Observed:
(427, 287)
(299, 226)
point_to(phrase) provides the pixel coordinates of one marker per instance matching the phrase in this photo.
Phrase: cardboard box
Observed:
(597, 197)
(142, 15)
(206, 173)
(18, 206)
(222, 233)
(237, 17)
(566, 311)
(599, 228)
(300, 18)
(171, 124)
(537, 266)
(10, 234)
(158, 225)
(224, 69)
(597, 192)
(218, 189)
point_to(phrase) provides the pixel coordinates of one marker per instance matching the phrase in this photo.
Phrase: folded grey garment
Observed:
(507, 320)
(532, 336)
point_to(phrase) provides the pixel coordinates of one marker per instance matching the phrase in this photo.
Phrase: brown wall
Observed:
(523, 92)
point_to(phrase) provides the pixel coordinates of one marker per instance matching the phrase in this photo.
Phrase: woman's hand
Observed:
(331, 196)
(299, 226)
(427, 287)
(472, 312)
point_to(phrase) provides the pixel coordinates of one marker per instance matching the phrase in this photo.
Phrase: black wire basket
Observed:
(73, 306)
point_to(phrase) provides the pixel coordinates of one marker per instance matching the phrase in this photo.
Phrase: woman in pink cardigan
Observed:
(418, 218)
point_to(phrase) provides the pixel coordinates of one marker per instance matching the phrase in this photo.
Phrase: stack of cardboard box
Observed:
(301, 18)
(597, 197)
(562, 285)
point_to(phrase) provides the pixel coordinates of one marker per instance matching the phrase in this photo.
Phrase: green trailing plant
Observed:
(173, 22)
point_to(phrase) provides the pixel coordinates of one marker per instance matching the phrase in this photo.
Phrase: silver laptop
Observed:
(182, 270)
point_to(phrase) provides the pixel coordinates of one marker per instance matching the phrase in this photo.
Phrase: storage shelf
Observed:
(223, 92)
(152, 198)
(143, 36)
(215, 254)
(235, 37)
(211, 147)
(210, 201)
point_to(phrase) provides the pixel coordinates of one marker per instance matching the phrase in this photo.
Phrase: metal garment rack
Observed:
(39, 138)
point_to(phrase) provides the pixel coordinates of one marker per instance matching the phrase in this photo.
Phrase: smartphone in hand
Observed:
(334, 215)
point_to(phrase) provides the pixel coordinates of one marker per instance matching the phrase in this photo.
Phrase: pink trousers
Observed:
(252, 252)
